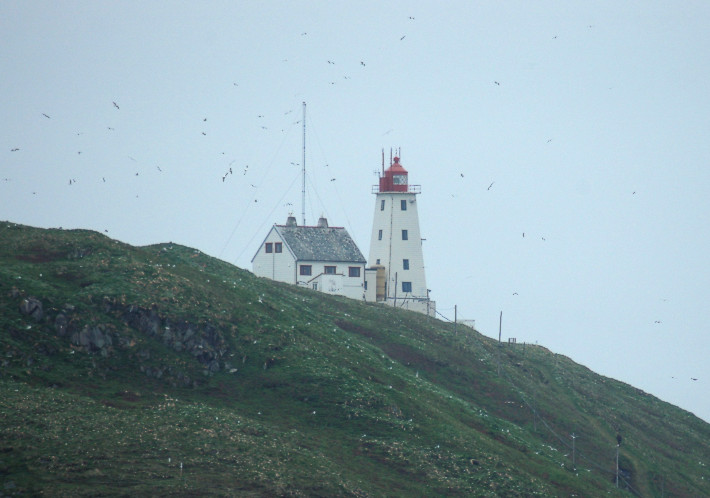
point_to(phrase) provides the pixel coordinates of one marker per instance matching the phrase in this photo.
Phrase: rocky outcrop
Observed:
(94, 338)
(33, 307)
(203, 341)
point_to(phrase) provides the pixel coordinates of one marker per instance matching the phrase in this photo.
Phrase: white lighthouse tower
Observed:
(396, 243)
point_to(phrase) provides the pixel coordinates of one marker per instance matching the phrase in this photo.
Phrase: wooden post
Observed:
(455, 320)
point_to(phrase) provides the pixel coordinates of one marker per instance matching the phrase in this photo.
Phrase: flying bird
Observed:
(116, 105)
(402, 38)
(496, 83)
(461, 175)
(43, 114)
(489, 186)
(693, 378)
(15, 149)
(362, 63)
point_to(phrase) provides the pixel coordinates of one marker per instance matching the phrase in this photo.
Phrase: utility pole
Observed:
(455, 320)
(500, 330)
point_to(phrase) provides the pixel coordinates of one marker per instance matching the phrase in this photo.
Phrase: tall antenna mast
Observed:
(303, 162)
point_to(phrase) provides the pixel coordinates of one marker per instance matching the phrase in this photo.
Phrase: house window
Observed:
(379, 235)
(278, 247)
(378, 261)
(353, 271)
(406, 286)
(315, 285)
(403, 203)
(405, 235)
(382, 205)
(329, 270)
(269, 247)
(405, 264)
(305, 270)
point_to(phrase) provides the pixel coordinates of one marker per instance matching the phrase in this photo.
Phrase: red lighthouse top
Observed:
(395, 178)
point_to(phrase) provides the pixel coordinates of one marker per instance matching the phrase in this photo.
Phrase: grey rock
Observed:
(33, 307)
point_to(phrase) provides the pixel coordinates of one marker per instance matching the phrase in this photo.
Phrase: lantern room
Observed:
(395, 178)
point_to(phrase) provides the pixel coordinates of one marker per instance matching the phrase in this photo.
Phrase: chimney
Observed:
(322, 222)
(291, 221)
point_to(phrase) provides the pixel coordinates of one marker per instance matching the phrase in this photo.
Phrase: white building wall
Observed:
(339, 283)
(391, 250)
(276, 266)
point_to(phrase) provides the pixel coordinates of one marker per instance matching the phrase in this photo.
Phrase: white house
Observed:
(323, 258)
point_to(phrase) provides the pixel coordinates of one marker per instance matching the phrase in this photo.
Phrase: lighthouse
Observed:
(396, 243)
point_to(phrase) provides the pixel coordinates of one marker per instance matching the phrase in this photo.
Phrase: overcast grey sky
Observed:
(583, 125)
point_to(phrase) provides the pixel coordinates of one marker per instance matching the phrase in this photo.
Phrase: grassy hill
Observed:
(160, 370)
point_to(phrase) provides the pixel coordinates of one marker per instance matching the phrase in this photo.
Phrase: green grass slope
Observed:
(158, 370)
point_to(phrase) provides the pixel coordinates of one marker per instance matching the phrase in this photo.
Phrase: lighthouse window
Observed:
(405, 264)
(353, 271)
(403, 203)
(278, 247)
(269, 247)
(379, 235)
(305, 269)
(399, 179)
(405, 235)
(406, 286)
(382, 205)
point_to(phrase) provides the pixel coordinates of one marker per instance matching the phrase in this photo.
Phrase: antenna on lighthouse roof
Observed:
(383, 161)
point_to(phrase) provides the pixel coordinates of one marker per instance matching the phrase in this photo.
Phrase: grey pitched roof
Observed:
(321, 244)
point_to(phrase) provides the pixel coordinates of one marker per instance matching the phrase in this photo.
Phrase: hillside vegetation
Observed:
(159, 370)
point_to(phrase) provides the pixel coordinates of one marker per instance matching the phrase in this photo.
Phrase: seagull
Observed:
(693, 378)
(43, 114)
(461, 175)
(116, 105)
(331, 62)
(411, 18)
(204, 133)
(362, 63)
(550, 140)
(402, 38)
(15, 149)
(489, 186)
(204, 119)
(332, 179)
(496, 83)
